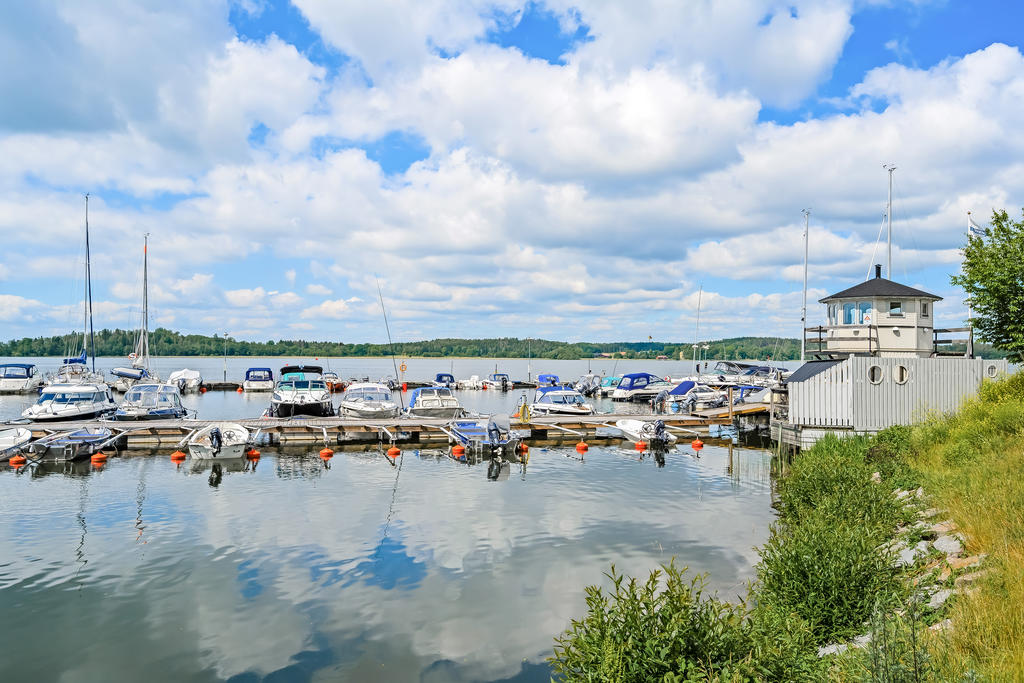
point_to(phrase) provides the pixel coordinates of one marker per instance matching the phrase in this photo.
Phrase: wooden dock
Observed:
(346, 431)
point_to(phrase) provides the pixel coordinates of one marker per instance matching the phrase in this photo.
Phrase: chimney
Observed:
(878, 270)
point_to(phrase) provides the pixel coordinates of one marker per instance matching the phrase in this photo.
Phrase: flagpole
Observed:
(970, 312)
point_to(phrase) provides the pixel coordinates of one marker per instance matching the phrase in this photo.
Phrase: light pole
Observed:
(529, 359)
(225, 356)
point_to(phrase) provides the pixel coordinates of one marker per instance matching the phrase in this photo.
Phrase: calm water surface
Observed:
(294, 570)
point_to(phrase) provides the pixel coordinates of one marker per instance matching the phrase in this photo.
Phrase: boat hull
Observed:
(448, 412)
(267, 385)
(71, 446)
(88, 415)
(553, 409)
(153, 415)
(325, 409)
(347, 410)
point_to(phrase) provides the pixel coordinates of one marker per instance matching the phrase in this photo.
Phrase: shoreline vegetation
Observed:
(164, 342)
(898, 557)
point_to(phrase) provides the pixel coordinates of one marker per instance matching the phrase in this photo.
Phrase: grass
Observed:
(823, 577)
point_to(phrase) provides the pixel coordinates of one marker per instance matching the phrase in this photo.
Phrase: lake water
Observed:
(356, 569)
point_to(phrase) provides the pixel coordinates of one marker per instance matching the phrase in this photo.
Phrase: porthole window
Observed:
(901, 374)
(991, 371)
(875, 374)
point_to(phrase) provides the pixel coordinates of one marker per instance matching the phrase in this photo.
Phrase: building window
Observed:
(991, 371)
(850, 314)
(896, 308)
(875, 374)
(924, 309)
(864, 312)
(901, 374)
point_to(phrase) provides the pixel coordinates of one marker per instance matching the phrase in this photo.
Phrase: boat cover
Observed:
(547, 379)
(629, 380)
(259, 374)
(683, 388)
(444, 377)
(79, 360)
(311, 369)
(130, 373)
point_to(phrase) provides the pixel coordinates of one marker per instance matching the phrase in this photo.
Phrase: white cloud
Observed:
(331, 309)
(289, 275)
(318, 290)
(245, 298)
(285, 300)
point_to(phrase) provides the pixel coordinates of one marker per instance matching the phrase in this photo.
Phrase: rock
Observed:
(929, 513)
(901, 495)
(944, 527)
(877, 477)
(862, 641)
(965, 562)
(919, 493)
(944, 625)
(908, 556)
(949, 545)
(833, 649)
(939, 598)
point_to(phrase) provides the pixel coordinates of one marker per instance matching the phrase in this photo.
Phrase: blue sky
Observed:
(554, 169)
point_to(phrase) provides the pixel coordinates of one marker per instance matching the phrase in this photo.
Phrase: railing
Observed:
(822, 340)
(967, 341)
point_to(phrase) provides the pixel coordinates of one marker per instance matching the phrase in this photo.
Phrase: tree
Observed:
(993, 279)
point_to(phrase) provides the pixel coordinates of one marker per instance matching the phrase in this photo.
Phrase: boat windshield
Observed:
(367, 395)
(66, 398)
(258, 375)
(13, 372)
(304, 385)
(562, 398)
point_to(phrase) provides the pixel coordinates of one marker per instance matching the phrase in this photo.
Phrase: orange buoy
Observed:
(640, 445)
(405, 386)
(239, 389)
(17, 460)
(459, 450)
(523, 448)
(394, 452)
(99, 456)
(202, 390)
(697, 444)
(582, 447)
(326, 453)
(177, 456)
(484, 386)
(252, 454)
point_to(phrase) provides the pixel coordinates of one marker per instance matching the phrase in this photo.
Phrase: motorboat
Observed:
(499, 381)
(391, 383)
(652, 432)
(548, 380)
(489, 434)
(690, 395)
(75, 371)
(444, 379)
(19, 378)
(588, 384)
(127, 377)
(334, 383)
(71, 402)
(560, 401)
(13, 441)
(258, 379)
(433, 402)
(301, 391)
(221, 440)
(151, 402)
(638, 386)
(186, 380)
(608, 385)
(72, 445)
(730, 373)
(368, 400)
(472, 383)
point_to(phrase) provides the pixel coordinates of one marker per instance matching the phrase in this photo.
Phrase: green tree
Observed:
(993, 278)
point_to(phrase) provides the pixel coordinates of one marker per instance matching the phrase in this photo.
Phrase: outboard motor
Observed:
(216, 441)
(659, 430)
(658, 404)
(504, 384)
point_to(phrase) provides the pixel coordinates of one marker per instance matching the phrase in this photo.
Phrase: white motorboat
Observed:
(560, 401)
(151, 402)
(186, 380)
(19, 378)
(472, 383)
(689, 395)
(12, 441)
(608, 385)
(639, 386)
(301, 391)
(221, 440)
(649, 431)
(499, 381)
(444, 379)
(433, 402)
(258, 379)
(589, 384)
(368, 400)
(71, 402)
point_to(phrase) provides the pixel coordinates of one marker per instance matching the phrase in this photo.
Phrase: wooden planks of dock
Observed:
(335, 430)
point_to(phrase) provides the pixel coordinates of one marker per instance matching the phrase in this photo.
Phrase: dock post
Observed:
(731, 418)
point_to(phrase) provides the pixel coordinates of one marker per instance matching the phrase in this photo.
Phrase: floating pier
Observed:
(345, 431)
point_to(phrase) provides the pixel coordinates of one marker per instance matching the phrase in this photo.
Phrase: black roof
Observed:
(810, 369)
(311, 369)
(879, 286)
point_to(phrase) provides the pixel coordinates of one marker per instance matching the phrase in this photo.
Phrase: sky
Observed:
(600, 170)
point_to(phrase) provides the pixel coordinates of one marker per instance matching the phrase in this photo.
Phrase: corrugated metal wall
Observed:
(846, 396)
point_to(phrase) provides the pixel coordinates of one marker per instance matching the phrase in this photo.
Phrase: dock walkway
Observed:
(341, 431)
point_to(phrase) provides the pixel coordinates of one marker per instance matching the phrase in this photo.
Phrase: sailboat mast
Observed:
(888, 213)
(803, 312)
(696, 331)
(145, 299)
(88, 285)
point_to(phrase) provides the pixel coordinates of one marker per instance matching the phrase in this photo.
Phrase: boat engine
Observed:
(215, 440)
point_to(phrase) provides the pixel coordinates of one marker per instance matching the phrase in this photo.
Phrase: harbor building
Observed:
(879, 362)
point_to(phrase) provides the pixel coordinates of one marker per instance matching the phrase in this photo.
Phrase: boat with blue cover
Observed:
(433, 402)
(558, 400)
(547, 380)
(19, 378)
(444, 379)
(499, 381)
(258, 379)
(690, 395)
(638, 386)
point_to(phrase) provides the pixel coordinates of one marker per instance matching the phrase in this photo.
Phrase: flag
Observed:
(973, 228)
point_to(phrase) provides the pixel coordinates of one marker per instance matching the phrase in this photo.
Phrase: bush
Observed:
(826, 572)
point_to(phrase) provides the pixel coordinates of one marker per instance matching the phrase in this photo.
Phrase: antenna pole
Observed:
(803, 313)
(145, 299)
(88, 284)
(387, 328)
(888, 213)
(696, 331)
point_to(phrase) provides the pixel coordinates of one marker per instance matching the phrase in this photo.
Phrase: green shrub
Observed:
(827, 572)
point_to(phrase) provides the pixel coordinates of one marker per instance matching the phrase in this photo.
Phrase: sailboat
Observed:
(139, 370)
(74, 369)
